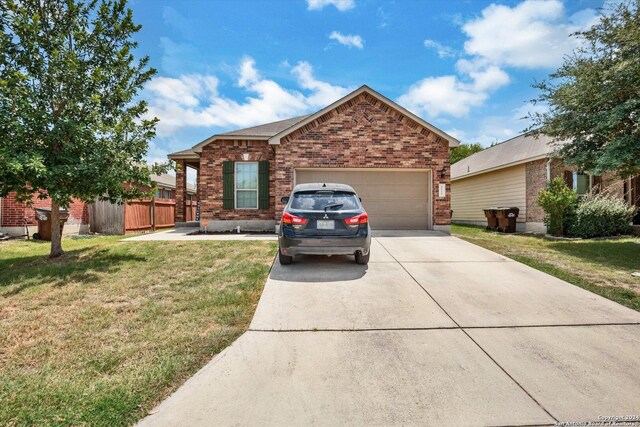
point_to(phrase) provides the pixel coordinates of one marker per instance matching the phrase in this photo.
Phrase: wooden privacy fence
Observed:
(140, 215)
(133, 217)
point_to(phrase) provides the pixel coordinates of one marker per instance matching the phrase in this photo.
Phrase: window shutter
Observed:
(596, 183)
(568, 178)
(263, 185)
(228, 184)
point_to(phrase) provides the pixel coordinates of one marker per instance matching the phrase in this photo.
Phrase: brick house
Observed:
(396, 161)
(513, 172)
(15, 215)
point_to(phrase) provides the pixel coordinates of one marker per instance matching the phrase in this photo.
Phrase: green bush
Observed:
(558, 202)
(601, 215)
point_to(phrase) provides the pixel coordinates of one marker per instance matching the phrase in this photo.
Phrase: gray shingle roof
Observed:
(510, 152)
(169, 181)
(165, 180)
(267, 129)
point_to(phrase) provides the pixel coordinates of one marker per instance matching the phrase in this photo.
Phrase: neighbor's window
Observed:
(158, 194)
(246, 185)
(581, 182)
(167, 194)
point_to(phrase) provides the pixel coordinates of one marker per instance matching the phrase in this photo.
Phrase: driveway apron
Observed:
(434, 331)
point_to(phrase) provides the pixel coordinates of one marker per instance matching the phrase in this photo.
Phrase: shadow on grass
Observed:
(79, 265)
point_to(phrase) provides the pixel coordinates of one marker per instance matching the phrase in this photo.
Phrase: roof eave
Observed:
(198, 148)
(503, 166)
(275, 139)
(174, 156)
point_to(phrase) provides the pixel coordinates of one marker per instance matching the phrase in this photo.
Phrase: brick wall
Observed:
(210, 178)
(13, 212)
(364, 133)
(361, 133)
(536, 178)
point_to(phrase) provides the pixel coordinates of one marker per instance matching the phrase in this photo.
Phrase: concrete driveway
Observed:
(434, 331)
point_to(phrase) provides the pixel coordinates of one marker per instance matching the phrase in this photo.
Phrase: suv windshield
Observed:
(321, 200)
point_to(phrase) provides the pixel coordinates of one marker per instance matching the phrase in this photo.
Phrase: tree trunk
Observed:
(56, 235)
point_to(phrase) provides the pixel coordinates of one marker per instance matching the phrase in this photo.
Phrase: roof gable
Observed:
(275, 131)
(317, 118)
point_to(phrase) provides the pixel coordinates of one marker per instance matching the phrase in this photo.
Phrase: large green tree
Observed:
(71, 123)
(594, 97)
(463, 151)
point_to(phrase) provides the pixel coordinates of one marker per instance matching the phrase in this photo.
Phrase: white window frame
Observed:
(236, 189)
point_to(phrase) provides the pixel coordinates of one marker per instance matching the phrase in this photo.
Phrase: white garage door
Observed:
(393, 199)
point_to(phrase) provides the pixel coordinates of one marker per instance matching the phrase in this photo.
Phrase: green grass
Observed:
(602, 266)
(101, 335)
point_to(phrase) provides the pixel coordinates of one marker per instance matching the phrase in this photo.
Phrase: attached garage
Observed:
(395, 199)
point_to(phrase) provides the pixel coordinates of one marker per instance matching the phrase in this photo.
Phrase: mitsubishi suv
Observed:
(324, 219)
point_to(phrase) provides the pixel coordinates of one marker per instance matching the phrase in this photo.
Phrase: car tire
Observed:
(284, 259)
(362, 259)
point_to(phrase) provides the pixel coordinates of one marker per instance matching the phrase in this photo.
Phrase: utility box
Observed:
(507, 219)
(43, 215)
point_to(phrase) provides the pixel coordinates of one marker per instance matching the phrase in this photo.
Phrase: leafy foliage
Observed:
(594, 97)
(557, 200)
(70, 122)
(463, 151)
(601, 215)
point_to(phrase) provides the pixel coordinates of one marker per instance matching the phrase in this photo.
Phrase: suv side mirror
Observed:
(284, 200)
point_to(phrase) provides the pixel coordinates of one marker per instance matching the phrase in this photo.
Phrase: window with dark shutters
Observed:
(263, 185)
(228, 185)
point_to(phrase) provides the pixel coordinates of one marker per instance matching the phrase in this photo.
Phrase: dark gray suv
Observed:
(324, 219)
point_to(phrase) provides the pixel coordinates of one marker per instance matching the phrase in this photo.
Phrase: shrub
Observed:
(601, 215)
(558, 201)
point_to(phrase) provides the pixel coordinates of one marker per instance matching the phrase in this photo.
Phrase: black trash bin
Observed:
(43, 215)
(507, 219)
(492, 219)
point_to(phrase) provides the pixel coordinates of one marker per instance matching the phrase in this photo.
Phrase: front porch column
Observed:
(181, 190)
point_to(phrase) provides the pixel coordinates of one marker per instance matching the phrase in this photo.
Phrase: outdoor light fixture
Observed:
(443, 172)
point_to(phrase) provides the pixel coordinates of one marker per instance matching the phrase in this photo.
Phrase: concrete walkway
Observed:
(190, 233)
(434, 331)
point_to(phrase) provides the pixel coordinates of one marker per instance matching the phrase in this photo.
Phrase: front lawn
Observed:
(602, 266)
(103, 334)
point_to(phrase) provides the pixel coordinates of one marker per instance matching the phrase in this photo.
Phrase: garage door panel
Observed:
(393, 199)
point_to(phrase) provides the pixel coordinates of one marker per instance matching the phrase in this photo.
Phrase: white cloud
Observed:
(341, 5)
(348, 40)
(248, 73)
(450, 95)
(194, 100)
(442, 50)
(323, 93)
(533, 34)
(488, 79)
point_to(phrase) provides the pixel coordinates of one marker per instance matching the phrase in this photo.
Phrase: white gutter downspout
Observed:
(549, 170)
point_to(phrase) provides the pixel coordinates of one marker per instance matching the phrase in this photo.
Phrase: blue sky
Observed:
(465, 66)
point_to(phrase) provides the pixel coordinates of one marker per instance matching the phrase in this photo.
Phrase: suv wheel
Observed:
(284, 259)
(362, 259)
